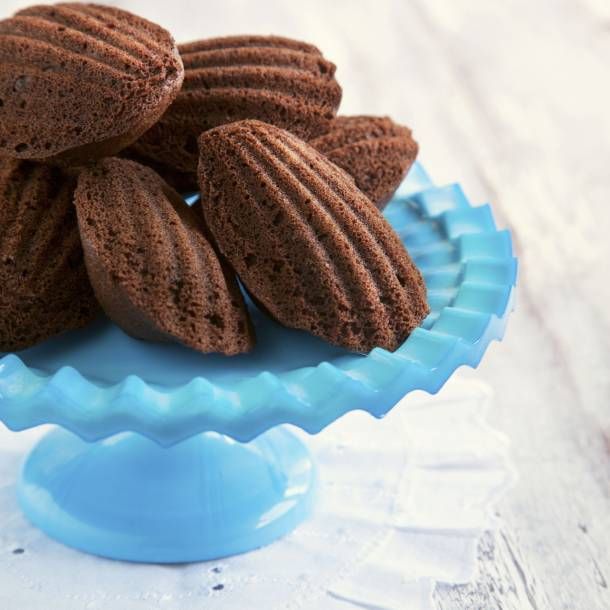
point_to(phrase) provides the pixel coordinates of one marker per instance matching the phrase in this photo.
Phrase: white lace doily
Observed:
(402, 504)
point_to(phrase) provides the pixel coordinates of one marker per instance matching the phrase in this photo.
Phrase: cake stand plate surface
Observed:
(169, 455)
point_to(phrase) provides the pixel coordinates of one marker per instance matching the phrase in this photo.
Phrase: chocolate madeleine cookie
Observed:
(305, 241)
(152, 268)
(81, 81)
(375, 151)
(281, 81)
(45, 289)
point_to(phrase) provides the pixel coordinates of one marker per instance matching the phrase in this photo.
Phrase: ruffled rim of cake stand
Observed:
(470, 273)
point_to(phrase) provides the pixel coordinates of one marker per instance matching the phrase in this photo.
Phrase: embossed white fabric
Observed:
(402, 504)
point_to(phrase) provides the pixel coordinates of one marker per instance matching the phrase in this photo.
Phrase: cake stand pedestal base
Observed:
(205, 498)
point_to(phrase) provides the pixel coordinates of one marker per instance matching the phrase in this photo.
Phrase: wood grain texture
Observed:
(530, 115)
(513, 100)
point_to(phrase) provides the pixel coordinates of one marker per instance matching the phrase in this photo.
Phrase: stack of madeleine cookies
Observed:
(104, 121)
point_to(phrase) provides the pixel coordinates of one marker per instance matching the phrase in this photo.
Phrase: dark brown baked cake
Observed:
(44, 285)
(305, 241)
(375, 151)
(81, 81)
(281, 81)
(152, 269)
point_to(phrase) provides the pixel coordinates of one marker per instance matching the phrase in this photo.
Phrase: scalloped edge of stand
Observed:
(475, 293)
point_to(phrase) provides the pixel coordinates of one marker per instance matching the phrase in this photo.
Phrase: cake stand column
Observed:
(131, 499)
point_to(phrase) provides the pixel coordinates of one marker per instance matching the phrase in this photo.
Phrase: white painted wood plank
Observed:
(530, 115)
(505, 581)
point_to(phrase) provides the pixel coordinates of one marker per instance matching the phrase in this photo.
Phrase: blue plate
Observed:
(189, 492)
(98, 381)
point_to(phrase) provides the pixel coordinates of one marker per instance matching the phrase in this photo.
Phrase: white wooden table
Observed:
(513, 100)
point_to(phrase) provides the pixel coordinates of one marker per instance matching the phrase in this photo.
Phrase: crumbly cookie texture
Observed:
(277, 80)
(305, 241)
(375, 151)
(152, 268)
(81, 81)
(45, 288)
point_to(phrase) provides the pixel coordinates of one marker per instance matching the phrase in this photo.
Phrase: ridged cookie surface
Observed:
(281, 81)
(81, 81)
(375, 151)
(307, 244)
(152, 268)
(44, 285)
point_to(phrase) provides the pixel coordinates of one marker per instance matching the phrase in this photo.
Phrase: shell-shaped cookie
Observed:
(281, 81)
(45, 289)
(375, 151)
(305, 241)
(81, 81)
(152, 268)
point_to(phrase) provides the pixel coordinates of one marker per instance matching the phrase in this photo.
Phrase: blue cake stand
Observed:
(165, 455)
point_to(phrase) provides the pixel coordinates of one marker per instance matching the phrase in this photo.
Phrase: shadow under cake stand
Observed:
(164, 455)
